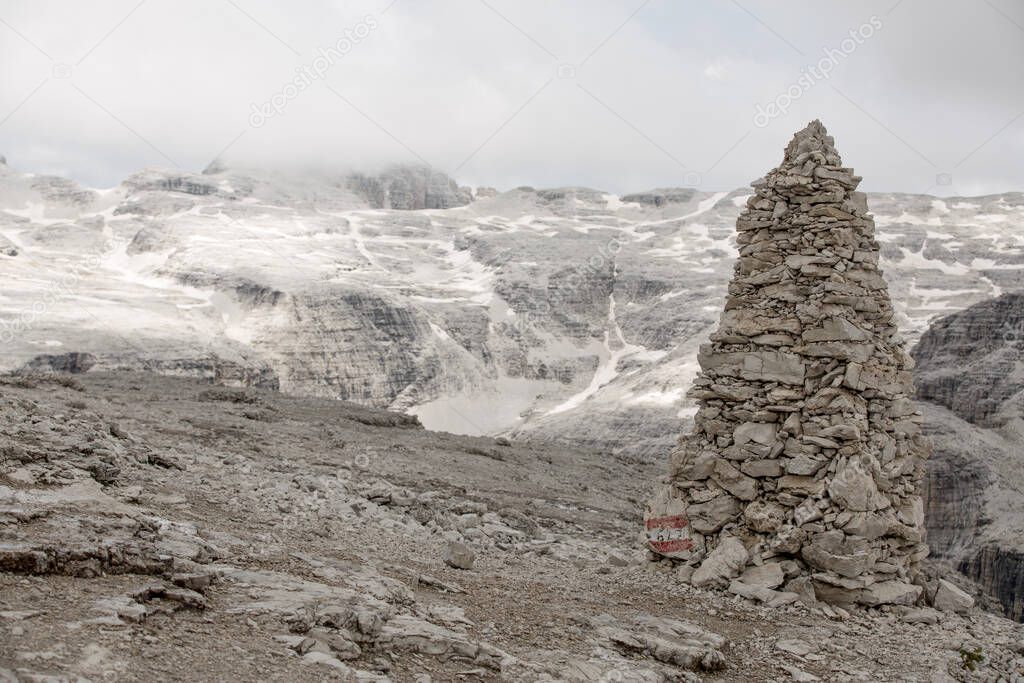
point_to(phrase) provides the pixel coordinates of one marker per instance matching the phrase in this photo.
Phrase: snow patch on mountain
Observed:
(551, 314)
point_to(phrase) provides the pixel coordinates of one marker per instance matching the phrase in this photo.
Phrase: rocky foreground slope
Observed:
(154, 528)
(565, 315)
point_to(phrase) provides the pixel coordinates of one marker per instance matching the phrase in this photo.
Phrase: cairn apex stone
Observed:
(806, 448)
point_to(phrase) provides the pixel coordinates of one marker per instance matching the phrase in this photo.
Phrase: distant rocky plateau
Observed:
(560, 316)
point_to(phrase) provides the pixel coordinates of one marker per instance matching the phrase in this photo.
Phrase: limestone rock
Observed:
(670, 641)
(854, 488)
(765, 516)
(889, 593)
(668, 529)
(762, 594)
(924, 615)
(795, 646)
(734, 481)
(759, 432)
(950, 598)
(459, 556)
(724, 563)
(761, 468)
(695, 467)
(768, 575)
(711, 516)
(835, 552)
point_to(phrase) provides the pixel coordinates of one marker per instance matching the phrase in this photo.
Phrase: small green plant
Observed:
(971, 658)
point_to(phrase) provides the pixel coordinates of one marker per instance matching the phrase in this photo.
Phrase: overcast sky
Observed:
(619, 95)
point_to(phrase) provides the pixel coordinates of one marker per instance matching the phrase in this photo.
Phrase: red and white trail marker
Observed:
(667, 527)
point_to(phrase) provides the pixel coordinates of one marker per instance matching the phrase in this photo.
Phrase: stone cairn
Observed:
(801, 478)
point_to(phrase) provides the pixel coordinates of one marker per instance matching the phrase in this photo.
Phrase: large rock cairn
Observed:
(801, 477)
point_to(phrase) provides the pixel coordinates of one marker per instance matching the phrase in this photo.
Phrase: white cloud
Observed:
(671, 91)
(715, 71)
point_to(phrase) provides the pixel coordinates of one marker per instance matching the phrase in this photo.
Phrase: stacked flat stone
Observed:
(802, 475)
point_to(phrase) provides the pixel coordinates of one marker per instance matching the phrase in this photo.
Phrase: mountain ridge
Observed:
(561, 314)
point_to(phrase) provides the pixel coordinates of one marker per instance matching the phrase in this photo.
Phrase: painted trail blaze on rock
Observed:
(668, 528)
(806, 450)
(661, 530)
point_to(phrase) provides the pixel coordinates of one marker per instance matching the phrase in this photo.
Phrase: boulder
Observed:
(950, 598)
(889, 593)
(459, 556)
(723, 564)
(768, 575)
(734, 481)
(854, 488)
(765, 516)
(667, 527)
(833, 551)
(709, 517)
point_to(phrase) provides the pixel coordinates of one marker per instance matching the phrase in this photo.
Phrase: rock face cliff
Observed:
(806, 456)
(968, 373)
(970, 361)
(409, 188)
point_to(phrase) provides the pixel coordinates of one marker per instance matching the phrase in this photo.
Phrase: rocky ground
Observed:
(154, 528)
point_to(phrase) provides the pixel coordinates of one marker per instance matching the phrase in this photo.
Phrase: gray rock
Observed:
(459, 555)
(758, 432)
(761, 468)
(734, 481)
(722, 564)
(765, 516)
(799, 675)
(405, 633)
(924, 615)
(854, 488)
(760, 593)
(803, 587)
(801, 485)
(709, 517)
(196, 581)
(889, 593)
(409, 188)
(767, 575)
(697, 466)
(950, 598)
(833, 551)
(836, 329)
(795, 646)
(806, 465)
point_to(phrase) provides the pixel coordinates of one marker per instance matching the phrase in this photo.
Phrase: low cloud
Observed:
(612, 94)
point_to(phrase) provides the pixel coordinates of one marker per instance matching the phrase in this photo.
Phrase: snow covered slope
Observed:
(557, 314)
